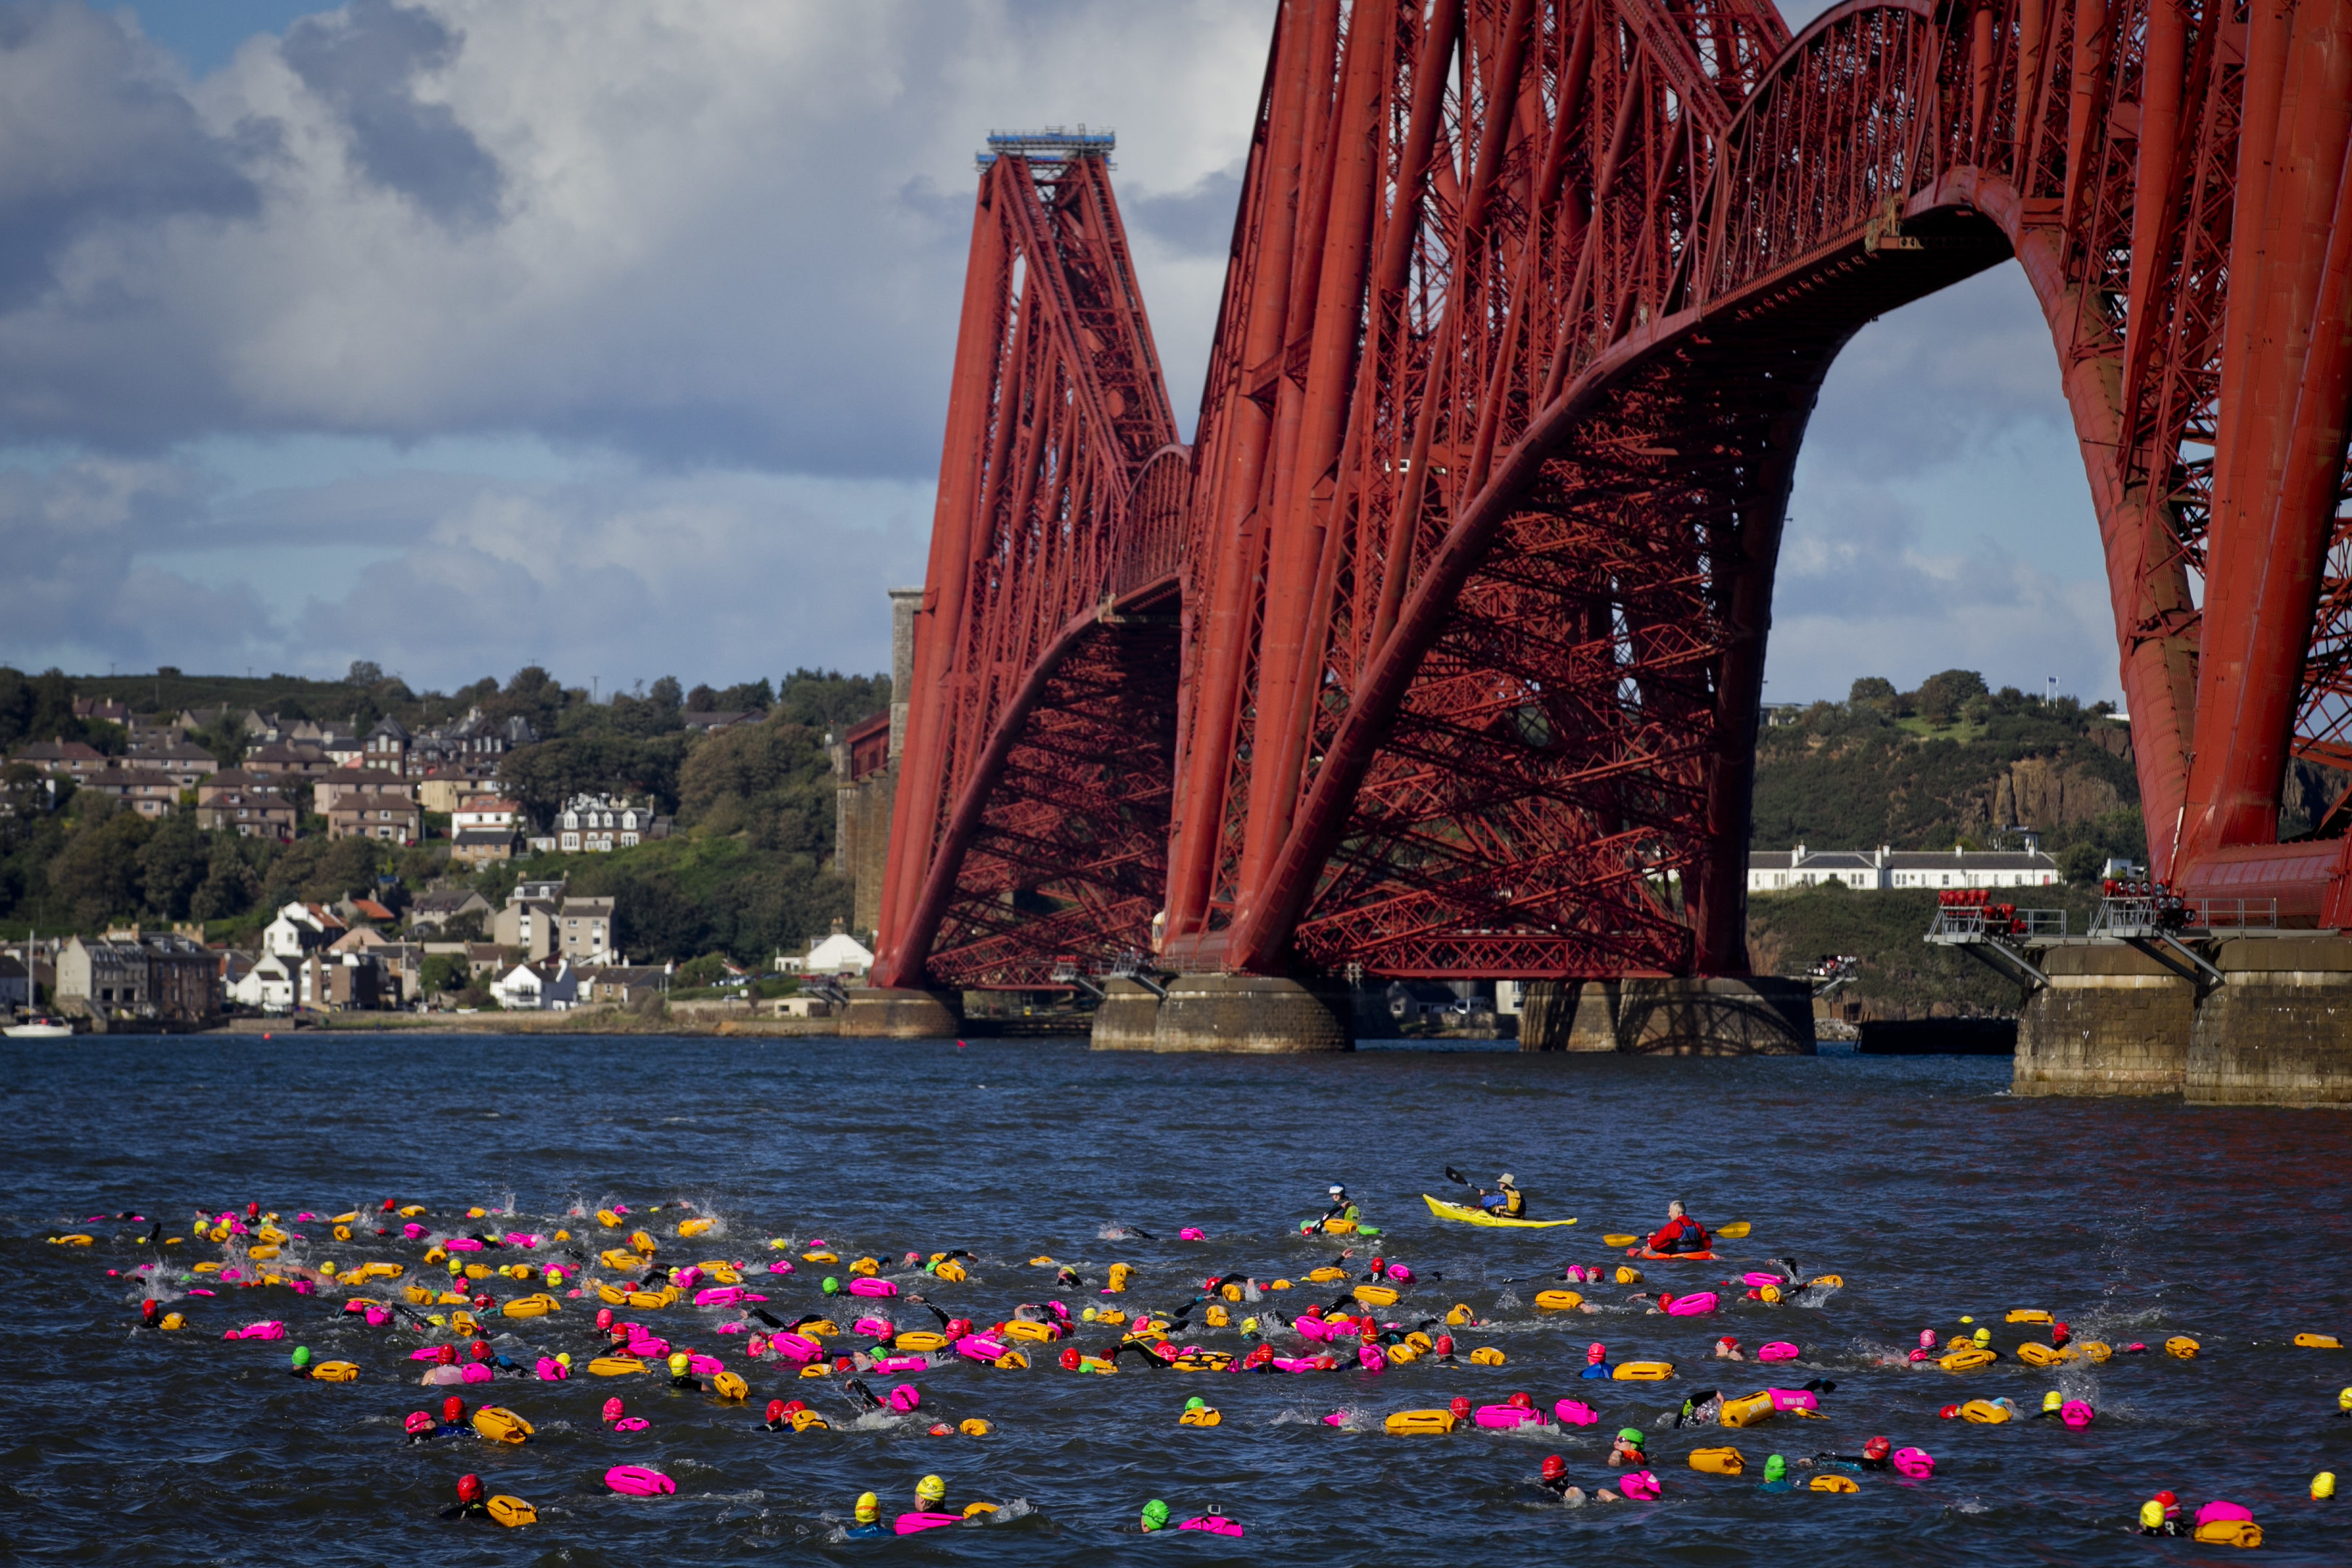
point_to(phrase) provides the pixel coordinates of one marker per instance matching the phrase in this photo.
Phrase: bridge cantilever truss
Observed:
(1439, 653)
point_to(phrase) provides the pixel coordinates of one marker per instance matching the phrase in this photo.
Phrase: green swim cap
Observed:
(1775, 1468)
(832, 1286)
(1630, 1435)
(1196, 1403)
(1155, 1514)
(301, 1355)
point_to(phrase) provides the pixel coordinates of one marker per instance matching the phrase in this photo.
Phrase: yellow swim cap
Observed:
(1249, 1325)
(931, 1489)
(1984, 1336)
(563, 1357)
(2323, 1485)
(1966, 1318)
(2151, 1515)
(2053, 1400)
(327, 1267)
(975, 1428)
(2344, 1400)
(869, 1507)
(678, 1364)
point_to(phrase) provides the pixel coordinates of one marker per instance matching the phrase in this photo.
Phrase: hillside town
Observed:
(169, 867)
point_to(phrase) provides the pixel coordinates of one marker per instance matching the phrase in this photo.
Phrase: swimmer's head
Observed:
(614, 1410)
(1196, 1403)
(832, 1286)
(1155, 1513)
(678, 1363)
(2051, 1400)
(931, 1489)
(301, 1357)
(869, 1507)
(1983, 1335)
(1554, 1466)
(1877, 1448)
(447, 1355)
(1596, 1353)
(2151, 1515)
(470, 1489)
(1775, 1468)
(453, 1410)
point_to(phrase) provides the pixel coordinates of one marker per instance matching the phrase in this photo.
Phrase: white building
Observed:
(1881, 870)
(270, 984)
(591, 825)
(300, 928)
(839, 953)
(548, 985)
(484, 814)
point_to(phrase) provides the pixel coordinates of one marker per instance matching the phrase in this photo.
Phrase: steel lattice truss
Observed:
(1529, 304)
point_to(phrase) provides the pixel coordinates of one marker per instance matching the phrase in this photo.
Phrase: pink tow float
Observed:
(636, 1480)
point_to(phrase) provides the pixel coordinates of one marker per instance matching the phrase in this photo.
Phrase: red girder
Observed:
(1527, 307)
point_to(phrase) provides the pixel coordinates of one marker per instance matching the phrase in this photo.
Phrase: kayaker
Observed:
(1507, 1200)
(1680, 1234)
(868, 1518)
(1342, 1208)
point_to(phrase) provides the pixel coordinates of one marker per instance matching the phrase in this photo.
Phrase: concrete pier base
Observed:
(2280, 1031)
(879, 1013)
(1569, 1016)
(1128, 1018)
(2113, 1020)
(1241, 1013)
(1718, 1016)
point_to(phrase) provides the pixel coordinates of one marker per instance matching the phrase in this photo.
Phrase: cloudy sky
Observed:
(614, 334)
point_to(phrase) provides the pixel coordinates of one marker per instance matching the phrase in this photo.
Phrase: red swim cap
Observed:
(1554, 1466)
(794, 1407)
(418, 1421)
(1522, 1400)
(1069, 1358)
(613, 1409)
(1595, 1352)
(775, 1410)
(1461, 1409)
(1949, 1411)
(1877, 1448)
(447, 1355)
(604, 1318)
(453, 1410)
(1445, 1344)
(470, 1489)
(480, 1350)
(2172, 1504)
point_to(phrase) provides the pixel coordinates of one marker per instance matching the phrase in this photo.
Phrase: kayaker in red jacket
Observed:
(1680, 1234)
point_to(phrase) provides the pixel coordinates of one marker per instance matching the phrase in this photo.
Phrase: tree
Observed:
(703, 970)
(97, 874)
(172, 865)
(365, 672)
(668, 694)
(830, 701)
(229, 886)
(1873, 691)
(1942, 694)
(771, 779)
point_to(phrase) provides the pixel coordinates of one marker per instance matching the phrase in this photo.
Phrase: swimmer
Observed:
(1442, 1347)
(453, 1419)
(473, 1499)
(301, 1363)
(445, 1369)
(1625, 1449)
(1155, 1513)
(2343, 1404)
(860, 1396)
(1873, 1457)
(1728, 1349)
(1776, 1476)
(681, 1372)
(419, 1426)
(780, 1416)
(867, 1517)
(1596, 1361)
(2161, 1515)
(1555, 1478)
(1680, 1234)
(1704, 1408)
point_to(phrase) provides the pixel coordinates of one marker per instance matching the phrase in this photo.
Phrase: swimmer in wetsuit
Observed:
(473, 1499)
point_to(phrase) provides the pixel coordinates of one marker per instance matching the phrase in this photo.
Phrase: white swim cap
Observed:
(1337, 1189)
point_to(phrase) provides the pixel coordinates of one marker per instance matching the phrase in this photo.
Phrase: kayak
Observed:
(1468, 1215)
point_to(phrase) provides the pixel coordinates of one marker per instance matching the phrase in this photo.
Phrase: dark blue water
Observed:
(1919, 1181)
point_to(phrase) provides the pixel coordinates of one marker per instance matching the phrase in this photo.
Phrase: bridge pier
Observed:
(1243, 1013)
(2279, 1032)
(1665, 1015)
(2113, 1020)
(885, 1013)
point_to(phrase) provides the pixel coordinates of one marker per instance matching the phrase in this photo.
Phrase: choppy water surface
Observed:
(1919, 1181)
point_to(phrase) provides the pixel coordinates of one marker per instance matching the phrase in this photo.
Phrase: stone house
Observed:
(587, 930)
(391, 817)
(138, 975)
(594, 825)
(326, 789)
(152, 794)
(60, 758)
(180, 762)
(431, 911)
(620, 984)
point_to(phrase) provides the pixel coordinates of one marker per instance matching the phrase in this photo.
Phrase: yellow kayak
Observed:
(1469, 1216)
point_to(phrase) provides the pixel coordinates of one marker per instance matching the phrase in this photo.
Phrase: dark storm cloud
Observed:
(365, 61)
(90, 137)
(1198, 221)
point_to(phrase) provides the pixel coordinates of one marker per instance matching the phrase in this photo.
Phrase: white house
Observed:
(300, 927)
(839, 953)
(548, 985)
(269, 984)
(1878, 870)
(484, 814)
(590, 824)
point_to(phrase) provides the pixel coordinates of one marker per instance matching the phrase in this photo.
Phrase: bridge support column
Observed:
(2280, 1031)
(2113, 1020)
(887, 1013)
(1126, 1018)
(1714, 1016)
(1251, 1013)
(1569, 1016)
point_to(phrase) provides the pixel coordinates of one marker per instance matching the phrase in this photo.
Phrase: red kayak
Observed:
(1644, 1253)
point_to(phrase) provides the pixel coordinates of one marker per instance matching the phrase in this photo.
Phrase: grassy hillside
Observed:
(1901, 976)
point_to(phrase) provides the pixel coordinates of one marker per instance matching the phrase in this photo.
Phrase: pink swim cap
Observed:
(1596, 1352)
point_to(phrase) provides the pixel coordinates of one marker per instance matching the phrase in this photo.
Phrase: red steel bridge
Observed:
(1439, 651)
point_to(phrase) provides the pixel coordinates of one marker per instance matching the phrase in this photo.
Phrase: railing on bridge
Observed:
(1966, 915)
(2133, 911)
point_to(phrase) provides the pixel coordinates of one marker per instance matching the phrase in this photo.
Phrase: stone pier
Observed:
(2279, 1030)
(1712, 1016)
(879, 1013)
(2113, 1020)
(1242, 1012)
